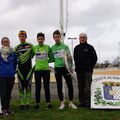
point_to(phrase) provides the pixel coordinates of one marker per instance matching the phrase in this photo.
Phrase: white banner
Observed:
(105, 92)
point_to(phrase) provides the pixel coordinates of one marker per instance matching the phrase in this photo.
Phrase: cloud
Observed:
(101, 12)
(98, 18)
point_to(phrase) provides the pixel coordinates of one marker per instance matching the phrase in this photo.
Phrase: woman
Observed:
(8, 62)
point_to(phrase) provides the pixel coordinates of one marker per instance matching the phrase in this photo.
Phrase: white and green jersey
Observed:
(59, 51)
(43, 56)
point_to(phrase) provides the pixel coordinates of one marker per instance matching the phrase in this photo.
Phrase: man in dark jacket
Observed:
(85, 59)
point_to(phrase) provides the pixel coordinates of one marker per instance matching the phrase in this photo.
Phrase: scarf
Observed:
(5, 52)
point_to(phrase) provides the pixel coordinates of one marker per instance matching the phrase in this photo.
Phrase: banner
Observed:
(105, 92)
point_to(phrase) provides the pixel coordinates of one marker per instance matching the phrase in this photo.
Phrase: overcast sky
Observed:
(100, 19)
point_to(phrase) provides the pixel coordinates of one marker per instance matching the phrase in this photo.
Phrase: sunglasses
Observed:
(21, 35)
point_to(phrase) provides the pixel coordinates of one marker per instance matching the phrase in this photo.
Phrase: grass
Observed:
(56, 114)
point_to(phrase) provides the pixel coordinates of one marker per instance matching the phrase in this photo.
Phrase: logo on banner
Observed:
(105, 92)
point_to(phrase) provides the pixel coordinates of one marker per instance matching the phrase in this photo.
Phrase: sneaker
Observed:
(27, 106)
(37, 106)
(62, 106)
(22, 107)
(5, 113)
(9, 111)
(1, 114)
(73, 106)
(81, 105)
(49, 106)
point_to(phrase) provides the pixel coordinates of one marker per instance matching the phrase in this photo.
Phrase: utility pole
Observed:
(61, 20)
(61, 25)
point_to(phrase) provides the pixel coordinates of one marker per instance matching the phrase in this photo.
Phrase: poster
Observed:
(105, 92)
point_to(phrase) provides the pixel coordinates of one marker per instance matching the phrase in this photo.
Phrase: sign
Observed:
(105, 92)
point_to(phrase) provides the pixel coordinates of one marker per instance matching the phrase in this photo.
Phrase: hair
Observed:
(3, 40)
(56, 32)
(22, 32)
(83, 34)
(41, 35)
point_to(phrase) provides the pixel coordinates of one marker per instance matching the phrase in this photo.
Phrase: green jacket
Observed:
(43, 56)
(59, 51)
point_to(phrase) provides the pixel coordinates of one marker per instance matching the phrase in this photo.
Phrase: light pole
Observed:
(72, 38)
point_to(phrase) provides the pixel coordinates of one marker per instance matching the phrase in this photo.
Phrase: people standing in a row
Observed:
(85, 59)
(8, 62)
(84, 56)
(24, 71)
(58, 50)
(43, 56)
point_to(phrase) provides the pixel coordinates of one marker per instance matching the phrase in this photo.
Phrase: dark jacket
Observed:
(85, 57)
(8, 68)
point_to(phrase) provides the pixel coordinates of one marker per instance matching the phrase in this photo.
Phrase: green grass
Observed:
(56, 114)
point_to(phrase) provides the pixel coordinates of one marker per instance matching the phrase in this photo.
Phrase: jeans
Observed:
(45, 74)
(7, 85)
(84, 87)
(59, 72)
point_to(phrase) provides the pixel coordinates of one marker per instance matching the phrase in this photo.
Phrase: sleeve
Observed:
(74, 54)
(50, 55)
(32, 51)
(15, 60)
(94, 57)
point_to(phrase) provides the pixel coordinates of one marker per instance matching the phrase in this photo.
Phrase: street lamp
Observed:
(72, 38)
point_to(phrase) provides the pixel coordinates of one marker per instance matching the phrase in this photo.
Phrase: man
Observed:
(59, 49)
(85, 59)
(43, 56)
(24, 71)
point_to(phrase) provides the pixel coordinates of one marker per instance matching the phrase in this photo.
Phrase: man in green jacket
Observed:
(59, 50)
(43, 56)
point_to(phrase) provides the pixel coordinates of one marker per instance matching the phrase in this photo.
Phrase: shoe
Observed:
(22, 107)
(49, 106)
(1, 114)
(37, 106)
(27, 106)
(81, 105)
(72, 106)
(5, 113)
(62, 106)
(87, 105)
(9, 111)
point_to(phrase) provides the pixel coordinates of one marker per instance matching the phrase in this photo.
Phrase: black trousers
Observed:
(45, 74)
(59, 72)
(6, 86)
(84, 87)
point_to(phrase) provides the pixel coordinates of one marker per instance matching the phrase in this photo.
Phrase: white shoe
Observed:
(73, 106)
(61, 106)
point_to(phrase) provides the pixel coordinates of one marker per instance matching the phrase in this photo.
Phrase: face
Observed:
(6, 42)
(22, 38)
(57, 38)
(83, 38)
(40, 40)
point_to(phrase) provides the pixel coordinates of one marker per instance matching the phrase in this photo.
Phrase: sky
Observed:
(100, 19)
